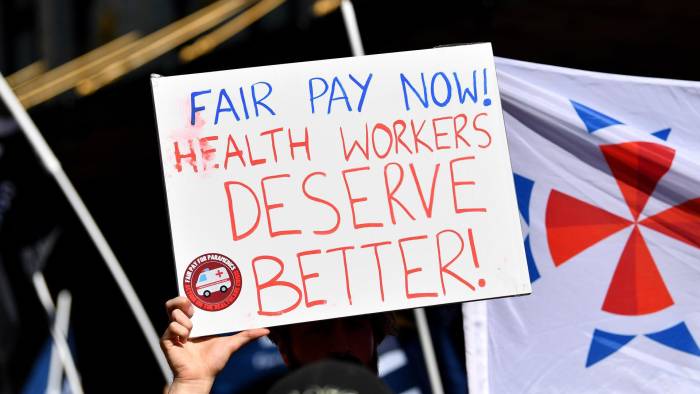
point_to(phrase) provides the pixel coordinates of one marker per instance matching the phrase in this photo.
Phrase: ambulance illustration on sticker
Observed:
(212, 282)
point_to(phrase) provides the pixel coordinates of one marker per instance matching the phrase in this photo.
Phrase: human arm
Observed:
(195, 362)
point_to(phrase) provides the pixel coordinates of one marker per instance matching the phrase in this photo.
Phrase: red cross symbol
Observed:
(219, 273)
(637, 287)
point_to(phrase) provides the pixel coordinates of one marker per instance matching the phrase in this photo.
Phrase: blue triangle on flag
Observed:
(593, 119)
(523, 191)
(677, 337)
(662, 134)
(531, 266)
(605, 344)
(39, 376)
(38, 379)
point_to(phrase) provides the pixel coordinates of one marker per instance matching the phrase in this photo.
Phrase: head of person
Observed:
(352, 339)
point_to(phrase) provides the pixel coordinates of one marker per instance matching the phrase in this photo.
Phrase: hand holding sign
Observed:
(324, 189)
(195, 362)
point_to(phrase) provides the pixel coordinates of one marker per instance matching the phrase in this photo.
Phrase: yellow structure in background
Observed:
(164, 40)
(103, 65)
(217, 37)
(325, 7)
(64, 77)
(26, 74)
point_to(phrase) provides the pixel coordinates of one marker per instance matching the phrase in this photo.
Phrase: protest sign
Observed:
(322, 189)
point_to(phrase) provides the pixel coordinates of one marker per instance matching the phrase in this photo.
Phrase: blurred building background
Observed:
(82, 69)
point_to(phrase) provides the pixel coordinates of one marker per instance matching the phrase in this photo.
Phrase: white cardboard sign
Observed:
(315, 190)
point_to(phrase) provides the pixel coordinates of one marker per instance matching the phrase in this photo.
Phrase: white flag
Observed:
(607, 170)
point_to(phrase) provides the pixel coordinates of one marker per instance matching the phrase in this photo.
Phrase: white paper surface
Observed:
(454, 145)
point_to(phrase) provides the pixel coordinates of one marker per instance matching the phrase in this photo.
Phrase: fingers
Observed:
(179, 311)
(179, 316)
(181, 303)
(176, 332)
(244, 337)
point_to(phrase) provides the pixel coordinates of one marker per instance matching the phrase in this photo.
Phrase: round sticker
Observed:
(212, 282)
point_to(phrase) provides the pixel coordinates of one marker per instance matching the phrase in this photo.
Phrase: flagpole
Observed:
(475, 325)
(61, 323)
(59, 337)
(353, 32)
(351, 28)
(53, 166)
(426, 344)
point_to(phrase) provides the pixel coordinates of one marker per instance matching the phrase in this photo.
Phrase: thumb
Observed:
(241, 339)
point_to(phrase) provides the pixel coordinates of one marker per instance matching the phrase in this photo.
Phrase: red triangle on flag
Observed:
(637, 168)
(681, 222)
(573, 225)
(636, 287)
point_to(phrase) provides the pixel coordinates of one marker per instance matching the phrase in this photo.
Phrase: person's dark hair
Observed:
(330, 376)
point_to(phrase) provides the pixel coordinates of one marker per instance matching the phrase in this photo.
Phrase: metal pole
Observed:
(61, 323)
(53, 166)
(426, 344)
(59, 337)
(351, 28)
(476, 340)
